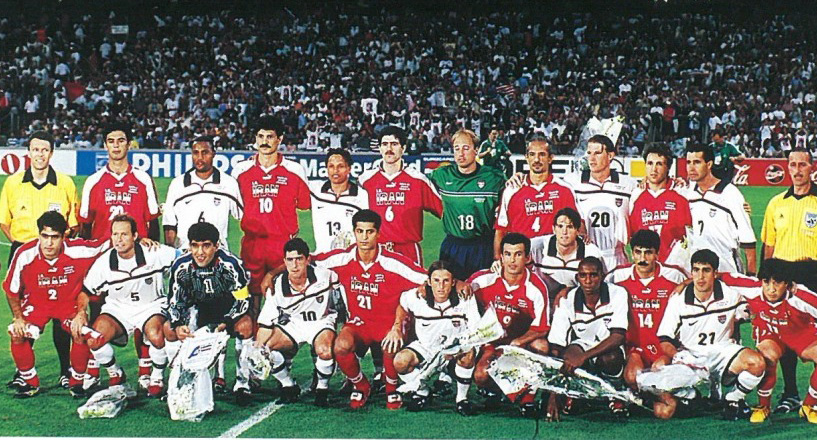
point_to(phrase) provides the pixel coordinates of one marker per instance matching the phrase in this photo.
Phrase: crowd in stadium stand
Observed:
(337, 75)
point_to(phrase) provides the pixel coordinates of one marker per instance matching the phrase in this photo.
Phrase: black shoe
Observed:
(464, 408)
(255, 385)
(735, 410)
(78, 392)
(313, 386)
(322, 397)
(492, 400)
(26, 391)
(441, 388)
(787, 403)
(346, 388)
(16, 381)
(378, 384)
(243, 396)
(64, 382)
(290, 394)
(417, 403)
(530, 410)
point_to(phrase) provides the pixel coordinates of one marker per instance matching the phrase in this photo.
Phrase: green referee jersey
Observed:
(469, 200)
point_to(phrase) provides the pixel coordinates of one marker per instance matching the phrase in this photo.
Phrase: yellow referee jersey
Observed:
(790, 225)
(22, 202)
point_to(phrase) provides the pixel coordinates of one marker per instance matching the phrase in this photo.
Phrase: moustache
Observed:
(643, 263)
(265, 146)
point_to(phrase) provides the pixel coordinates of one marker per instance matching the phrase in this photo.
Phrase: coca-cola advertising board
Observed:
(755, 172)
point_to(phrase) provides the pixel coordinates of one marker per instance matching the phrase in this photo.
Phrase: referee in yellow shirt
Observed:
(25, 196)
(790, 234)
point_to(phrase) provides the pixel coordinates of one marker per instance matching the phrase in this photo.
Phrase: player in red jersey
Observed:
(117, 189)
(520, 299)
(272, 189)
(657, 206)
(44, 282)
(784, 316)
(400, 194)
(649, 284)
(529, 209)
(373, 279)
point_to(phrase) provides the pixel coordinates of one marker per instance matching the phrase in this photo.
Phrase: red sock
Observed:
(811, 396)
(766, 386)
(350, 366)
(143, 352)
(79, 357)
(389, 373)
(23, 356)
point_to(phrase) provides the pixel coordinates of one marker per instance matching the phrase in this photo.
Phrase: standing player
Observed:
(702, 320)
(131, 278)
(299, 310)
(334, 202)
(470, 195)
(399, 195)
(520, 299)
(604, 199)
(790, 234)
(208, 287)
(582, 339)
(202, 194)
(649, 284)
(373, 279)
(785, 318)
(719, 222)
(529, 209)
(26, 195)
(658, 207)
(272, 189)
(43, 283)
(117, 189)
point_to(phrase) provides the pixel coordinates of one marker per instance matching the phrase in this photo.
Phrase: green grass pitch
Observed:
(53, 412)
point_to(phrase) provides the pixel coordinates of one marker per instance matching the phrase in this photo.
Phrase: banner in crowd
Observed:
(755, 172)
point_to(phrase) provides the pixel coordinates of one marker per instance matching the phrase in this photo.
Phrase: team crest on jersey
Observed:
(712, 213)
(68, 270)
(722, 319)
(619, 202)
(217, 201)
(405, 186)
(379, 278)
(282, 180)
(133, 189)
(481, 184)
(811, 219)
(148, 281)
(319, 299)
(670, 206)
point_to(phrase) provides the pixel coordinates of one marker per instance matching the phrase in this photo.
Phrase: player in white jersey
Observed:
(719, 221)
(557, 256)
(131, 278)
(701, 321)
(202, 194)
(439, 316)
(300, 309)
(603, 199)
(334, 202)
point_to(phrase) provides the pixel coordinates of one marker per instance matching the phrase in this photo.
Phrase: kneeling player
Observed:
(440, 314)
(299, 310)
(784, 318)
(520, 299)
(702, 319)
(208, 287)
(582, 339)
(131, 277)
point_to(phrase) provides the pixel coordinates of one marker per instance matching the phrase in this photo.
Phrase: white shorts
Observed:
(424, 352)
(131, 317)
(715, 358)
(305, 332)
(612, 258)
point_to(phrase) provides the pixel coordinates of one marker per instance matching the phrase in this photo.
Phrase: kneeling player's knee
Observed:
(402, 362)
(324, 352)
(467, 360)
(540, 346)
(754, 363)
(155, 337)
(481, 376)
(664, 407)
(630, 374)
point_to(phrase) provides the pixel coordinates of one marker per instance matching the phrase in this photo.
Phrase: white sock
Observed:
(411, 376)
(463, 376)
(159, 358)
(280, 370)
(104, 355)
(744, 385)
(445, 377)
(172, 349)
(222, 357)
(325, 368)
(242, 371)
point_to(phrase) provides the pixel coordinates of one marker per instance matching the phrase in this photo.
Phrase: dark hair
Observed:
(799, 150)
(117, 126)
(125, 218)
(593, 261)
(706, 256)
(441, 265)
(203, 140)
(269, 122)
(775, 269)
(43, 136)
(717, 132)
(536, 137)
(661, 150)
(203, 231)
(516, 238)
(393, 130)
(453, 297)
(603, 140)
(572, 215)
(366, 216)
(709, 155)
(53, 220)
(646, 238)
(298, 245)
(347, 157)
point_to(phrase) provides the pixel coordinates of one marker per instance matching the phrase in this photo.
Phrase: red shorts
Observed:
(260, 255)
(410, 250)
(649, 353)
(363, 337)
(797, 341)
(41, 316)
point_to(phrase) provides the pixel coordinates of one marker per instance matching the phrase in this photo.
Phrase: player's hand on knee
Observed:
(18, 328)
(571, 362)
(393, 341)
(79, 321)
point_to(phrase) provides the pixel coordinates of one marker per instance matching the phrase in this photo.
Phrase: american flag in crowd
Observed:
(506, 90)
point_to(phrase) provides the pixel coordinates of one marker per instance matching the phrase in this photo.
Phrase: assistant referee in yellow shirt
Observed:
(790, 234)
(26, 195)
